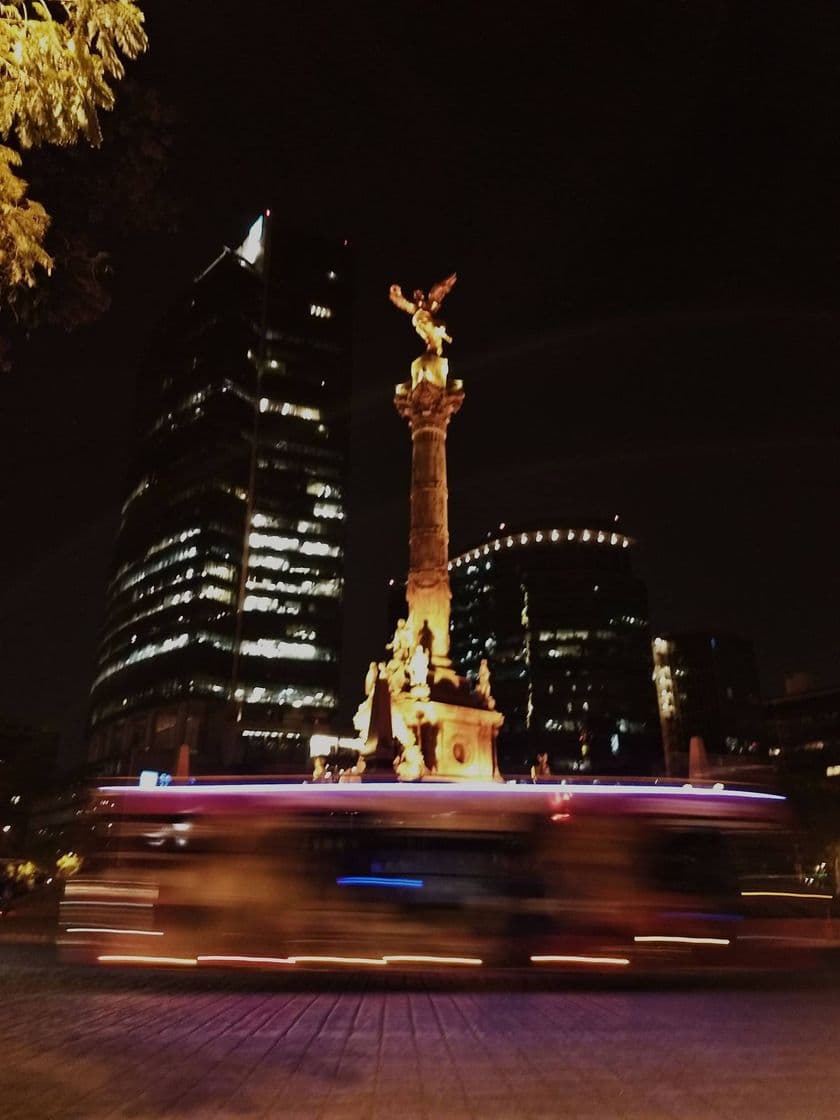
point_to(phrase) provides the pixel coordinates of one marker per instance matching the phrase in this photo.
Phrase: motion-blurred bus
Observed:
(576, 876)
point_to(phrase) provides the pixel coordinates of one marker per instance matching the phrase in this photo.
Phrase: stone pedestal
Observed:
(456, 740)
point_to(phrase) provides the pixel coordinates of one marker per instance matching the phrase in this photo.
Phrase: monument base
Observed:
(456, 740)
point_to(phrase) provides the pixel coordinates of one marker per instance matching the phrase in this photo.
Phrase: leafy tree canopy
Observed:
(56, 60)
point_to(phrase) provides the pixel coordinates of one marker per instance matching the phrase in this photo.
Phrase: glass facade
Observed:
(803, 733)
(562, 621)
(708, 687)
(223, 617)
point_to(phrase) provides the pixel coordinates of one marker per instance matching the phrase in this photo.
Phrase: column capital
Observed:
(429, 399)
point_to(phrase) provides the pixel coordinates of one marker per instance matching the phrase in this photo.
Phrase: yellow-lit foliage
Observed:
(55, 63)
(23, 872)
(23, 224)
(68, 864)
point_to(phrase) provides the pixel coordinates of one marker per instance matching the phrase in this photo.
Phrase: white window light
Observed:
(266, 521)
(260, 603)
(310, 528)
(323, 490)
(319, 548)
(293, 651)
(273, 541)
(300, 697)
(271, 603)
(324, 588)
(224, 572)
(287, 408)
(219, 594)
(154, 649)
(318, 311)
(167, 562)
(261, 560)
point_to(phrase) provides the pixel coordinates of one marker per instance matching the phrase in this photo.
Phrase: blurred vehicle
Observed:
(550, 875)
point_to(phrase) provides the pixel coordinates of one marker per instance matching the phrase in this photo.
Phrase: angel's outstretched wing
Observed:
(438, 293)
(398, 299)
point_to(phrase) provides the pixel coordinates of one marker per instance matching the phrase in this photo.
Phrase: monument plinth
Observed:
(431, 721)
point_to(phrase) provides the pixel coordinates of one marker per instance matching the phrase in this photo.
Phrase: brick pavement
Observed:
(115, 1045)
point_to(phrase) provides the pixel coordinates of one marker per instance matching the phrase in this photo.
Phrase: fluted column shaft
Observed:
(428, 405)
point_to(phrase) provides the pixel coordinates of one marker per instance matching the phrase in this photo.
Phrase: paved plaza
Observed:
(104, 1045)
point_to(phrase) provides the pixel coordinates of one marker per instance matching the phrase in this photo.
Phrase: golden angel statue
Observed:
(423, 311)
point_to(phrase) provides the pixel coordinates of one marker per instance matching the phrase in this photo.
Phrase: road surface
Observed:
(85, 1045)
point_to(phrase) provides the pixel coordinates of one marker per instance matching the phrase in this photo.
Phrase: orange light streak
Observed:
(783, 894)
(570, 959)
(420, 958)
(122, 958)
(219, 958)
(338, 960)
(678, 940)
(100, 929)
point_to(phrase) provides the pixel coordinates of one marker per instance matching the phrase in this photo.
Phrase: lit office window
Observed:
(150, 569)
(293, 651)
(286, 408)
(323, 489)
(297, 697)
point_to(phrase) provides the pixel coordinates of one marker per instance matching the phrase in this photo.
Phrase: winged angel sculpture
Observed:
(423, 311)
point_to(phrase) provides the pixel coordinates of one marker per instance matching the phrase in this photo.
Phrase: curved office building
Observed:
(562, 620)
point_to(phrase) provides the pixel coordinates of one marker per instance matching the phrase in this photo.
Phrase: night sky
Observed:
(641, 201)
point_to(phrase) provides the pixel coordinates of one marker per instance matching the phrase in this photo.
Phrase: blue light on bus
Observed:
(378, 881)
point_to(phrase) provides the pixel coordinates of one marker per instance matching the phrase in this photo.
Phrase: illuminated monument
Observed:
(419, 715)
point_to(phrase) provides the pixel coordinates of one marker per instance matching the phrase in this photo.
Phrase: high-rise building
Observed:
(707, 686)
(223, 618)
(562, 620)
(803, 729)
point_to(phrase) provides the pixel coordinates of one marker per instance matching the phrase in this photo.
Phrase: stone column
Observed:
(427, 403)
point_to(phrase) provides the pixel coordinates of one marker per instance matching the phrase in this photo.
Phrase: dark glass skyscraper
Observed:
(708, 687)
(562, 620)
(223, 618)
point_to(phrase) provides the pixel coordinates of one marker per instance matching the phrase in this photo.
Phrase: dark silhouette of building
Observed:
(707, 685)
(803, 730)
(562, 620)
(223, 620)
(27, 770)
